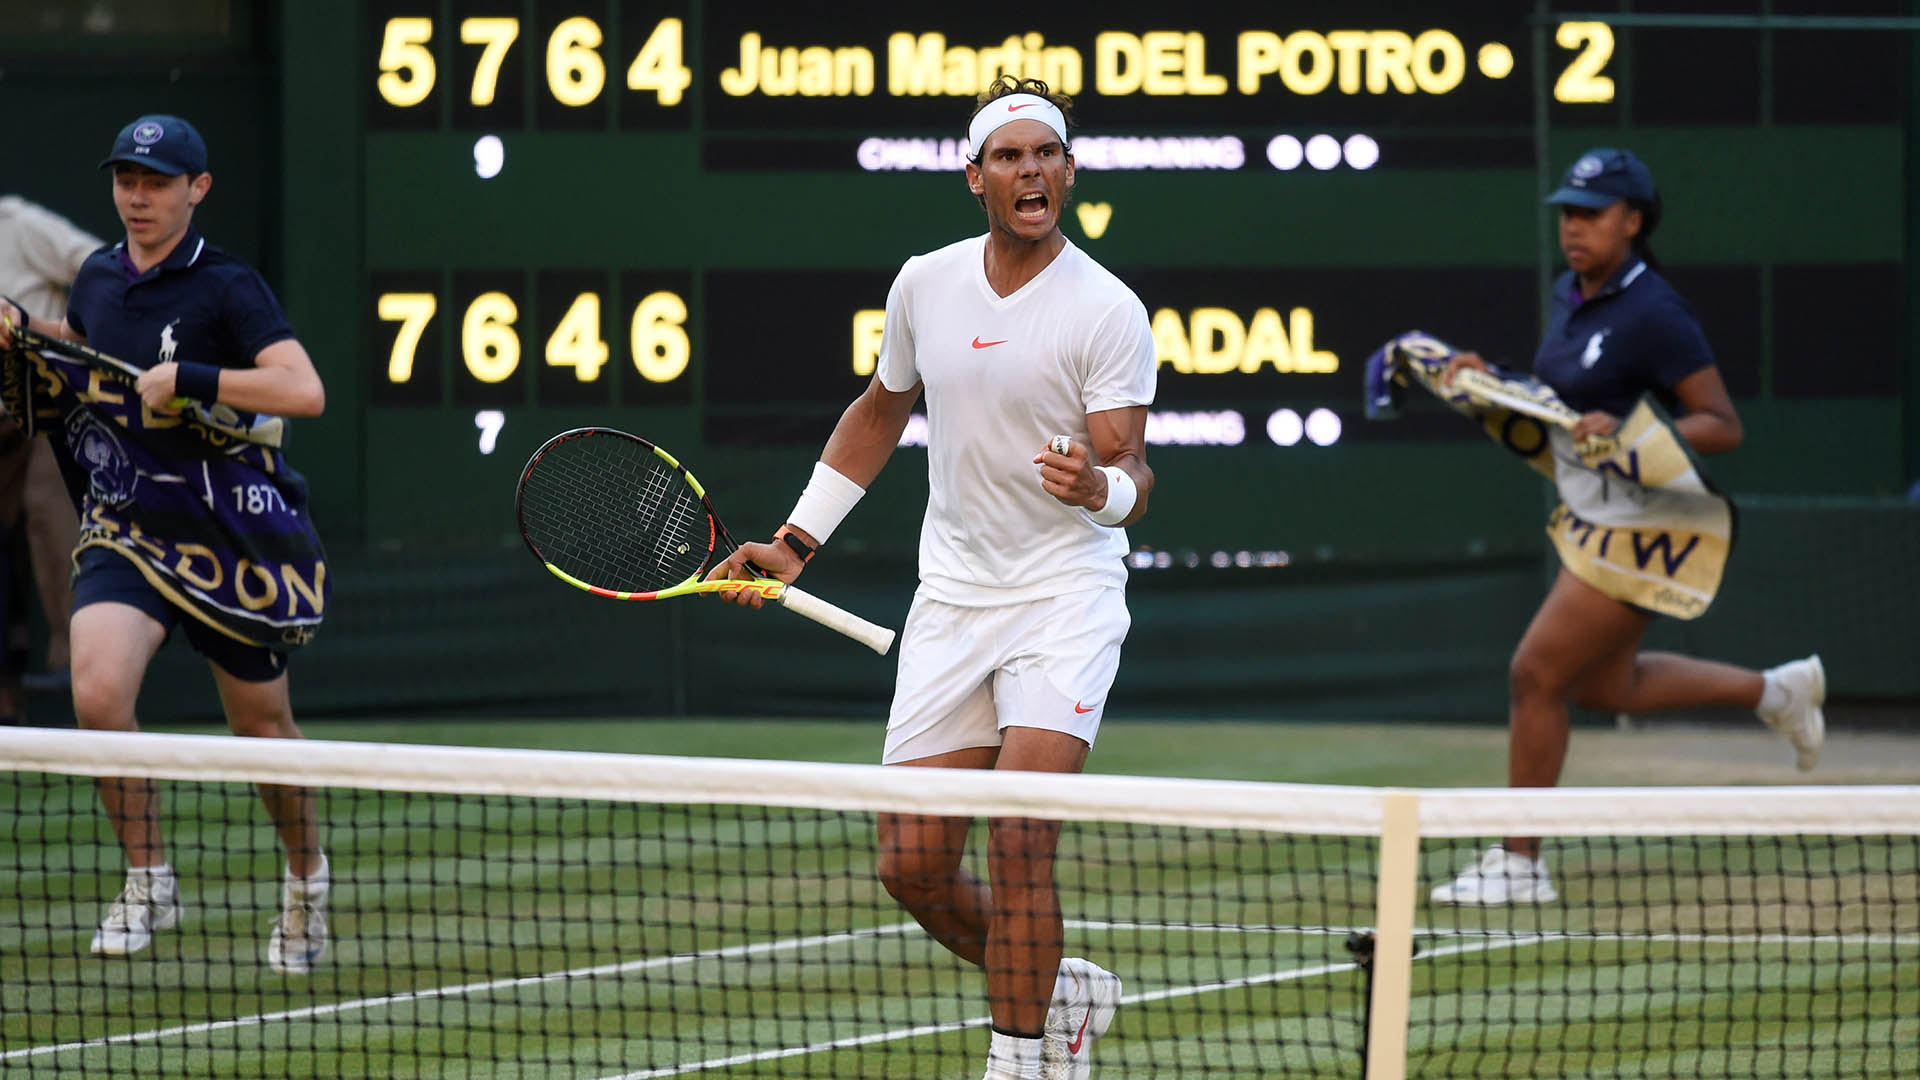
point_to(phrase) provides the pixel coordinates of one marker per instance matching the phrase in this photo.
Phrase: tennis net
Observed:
(505, 913)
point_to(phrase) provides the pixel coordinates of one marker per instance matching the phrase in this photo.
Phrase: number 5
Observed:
(404, 48)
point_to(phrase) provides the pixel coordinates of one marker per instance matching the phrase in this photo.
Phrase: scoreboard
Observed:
(683, 217)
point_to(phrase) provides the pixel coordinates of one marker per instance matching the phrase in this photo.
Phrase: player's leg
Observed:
(920, 867)
(263, 709)
(1631, 681)
(1788, 698)
(941, 717)
(53, 528)
(1050, 699)
(1575, 628)
(113, 641)
(1027, 932)
(254, 693)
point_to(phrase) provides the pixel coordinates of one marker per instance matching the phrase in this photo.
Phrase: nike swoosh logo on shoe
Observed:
(1079, 1036)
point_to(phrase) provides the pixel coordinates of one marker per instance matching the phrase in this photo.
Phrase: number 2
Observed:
(1581, 83)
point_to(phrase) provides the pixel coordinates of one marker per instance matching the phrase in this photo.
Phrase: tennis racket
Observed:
(218, 425)
(617, 516)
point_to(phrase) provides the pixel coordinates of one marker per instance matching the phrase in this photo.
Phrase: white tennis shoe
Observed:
(1801, 719)
(1085, 997)
(300, 934)
(150, 902)
(1501, 877)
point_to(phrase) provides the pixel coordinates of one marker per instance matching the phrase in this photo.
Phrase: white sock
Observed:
(321, 875)
(157, 870)
(1773, 696)
(1012, 1058)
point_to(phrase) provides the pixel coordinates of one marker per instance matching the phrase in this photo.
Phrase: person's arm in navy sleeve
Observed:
(1680, 359)
(282, 380)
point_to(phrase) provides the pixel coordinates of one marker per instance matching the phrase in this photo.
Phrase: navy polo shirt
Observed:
(1635, 335)
(198, 305)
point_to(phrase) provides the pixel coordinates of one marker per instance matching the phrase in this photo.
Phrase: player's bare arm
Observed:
(282, 382)
(12, 315)
(1711, 425)
(1119, 438)
(866, 436)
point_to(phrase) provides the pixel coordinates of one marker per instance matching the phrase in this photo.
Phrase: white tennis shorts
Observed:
(966, 673)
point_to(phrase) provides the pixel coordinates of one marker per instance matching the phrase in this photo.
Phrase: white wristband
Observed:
(1121, 495)
(825, 502)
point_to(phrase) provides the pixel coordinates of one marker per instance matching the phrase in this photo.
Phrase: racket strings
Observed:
(612, 513)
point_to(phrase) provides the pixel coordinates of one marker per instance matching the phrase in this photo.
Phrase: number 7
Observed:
(496, 35)
(412, 311)
(489, 421)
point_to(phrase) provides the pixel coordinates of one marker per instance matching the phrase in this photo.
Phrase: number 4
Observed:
(576, 342)
(659, 65)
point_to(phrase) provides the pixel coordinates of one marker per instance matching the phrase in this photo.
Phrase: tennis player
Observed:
(206, 327)
(1013, 640)
(1618, 330)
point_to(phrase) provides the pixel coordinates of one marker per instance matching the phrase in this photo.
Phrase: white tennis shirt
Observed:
(1003, 375)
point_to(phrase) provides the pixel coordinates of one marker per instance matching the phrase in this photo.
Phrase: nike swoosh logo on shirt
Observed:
(1078, 1036)
(978, 344)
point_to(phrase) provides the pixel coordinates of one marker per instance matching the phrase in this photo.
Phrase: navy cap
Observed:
(165, 144)
(1602, 177)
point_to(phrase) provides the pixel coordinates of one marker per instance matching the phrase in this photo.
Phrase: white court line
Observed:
(1611, 936)
(982, 1021)
(1614, 937)
(730, 952)
(1490, 939)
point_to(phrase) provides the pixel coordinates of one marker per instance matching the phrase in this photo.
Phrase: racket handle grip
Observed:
(877, 638)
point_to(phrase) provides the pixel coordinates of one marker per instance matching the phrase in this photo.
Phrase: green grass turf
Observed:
(497, 938)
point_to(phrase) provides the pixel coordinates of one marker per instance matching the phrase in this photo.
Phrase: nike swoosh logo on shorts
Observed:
(1078, 1036)
(1077, 708)
(978, 344)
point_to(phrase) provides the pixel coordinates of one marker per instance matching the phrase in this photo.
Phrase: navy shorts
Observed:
(107, 577)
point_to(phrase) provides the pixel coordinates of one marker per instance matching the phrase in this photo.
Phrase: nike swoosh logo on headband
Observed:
(1027, 105)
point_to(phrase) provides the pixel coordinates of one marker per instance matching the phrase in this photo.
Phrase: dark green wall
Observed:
(1414, 565)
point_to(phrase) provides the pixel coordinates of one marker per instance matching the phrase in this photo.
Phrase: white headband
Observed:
(1005, 110)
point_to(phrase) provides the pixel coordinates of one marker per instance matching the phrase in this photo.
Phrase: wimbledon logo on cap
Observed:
(148, 133)
(1587, 168)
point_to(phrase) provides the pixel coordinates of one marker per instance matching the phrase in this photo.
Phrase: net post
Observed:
(1393, 936)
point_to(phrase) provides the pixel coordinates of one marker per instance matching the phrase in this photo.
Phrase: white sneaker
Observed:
(150, 902)
(300, 934)
(1085, 997)
(1801, 720)
(1500, 877)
